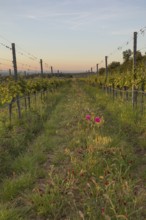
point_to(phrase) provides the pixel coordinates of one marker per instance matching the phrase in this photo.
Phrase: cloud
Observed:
(32, 17)
(82, 14)
(70, 19)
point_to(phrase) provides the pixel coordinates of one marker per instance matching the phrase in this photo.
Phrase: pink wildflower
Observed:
(97, 119)
(102, 211)
(88, 117)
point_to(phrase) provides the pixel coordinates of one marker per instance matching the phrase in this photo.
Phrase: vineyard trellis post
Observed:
(52, 70)
(134, 92)
(16, 77)
(106, 68)
(97, 69)
(41, 64)
(14, 62)
(142, 96)
(10, 111)
(106, 73)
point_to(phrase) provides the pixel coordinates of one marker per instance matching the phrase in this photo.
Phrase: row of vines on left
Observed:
(17, 97)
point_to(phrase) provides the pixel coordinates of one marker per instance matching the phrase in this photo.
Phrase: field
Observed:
(78, 155)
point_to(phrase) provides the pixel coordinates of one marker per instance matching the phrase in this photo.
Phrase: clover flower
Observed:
(88, 117)
(97, 119)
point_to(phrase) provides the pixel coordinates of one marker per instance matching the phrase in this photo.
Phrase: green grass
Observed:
(77, 169)
(9, 214)
(12, 187)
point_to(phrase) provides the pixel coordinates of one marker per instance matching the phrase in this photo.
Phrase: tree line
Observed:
(127, 62)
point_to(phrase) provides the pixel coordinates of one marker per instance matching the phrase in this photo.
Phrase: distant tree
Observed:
(139, 55)
(126, 55)
(114, 65)
(102, 70)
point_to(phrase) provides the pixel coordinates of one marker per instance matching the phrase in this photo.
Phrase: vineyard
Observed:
(70, 155)
(72, 110)
(10, 89)
(125, 80)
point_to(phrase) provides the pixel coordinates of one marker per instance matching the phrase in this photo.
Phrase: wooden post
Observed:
(134, 92)
(106, 69)
(106, 73)
(52, 70)
(10, 111)
(113, 86)
(97, 69)
(41, 64)
(16, 76)
(14, 61)
(142, 96)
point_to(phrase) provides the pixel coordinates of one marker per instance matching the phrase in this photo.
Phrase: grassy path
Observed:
(76, 168)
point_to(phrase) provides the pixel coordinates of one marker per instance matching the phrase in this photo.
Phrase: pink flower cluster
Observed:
(88, 117)
(96, 119)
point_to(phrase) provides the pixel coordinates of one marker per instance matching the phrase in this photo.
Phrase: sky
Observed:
(70, 35)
